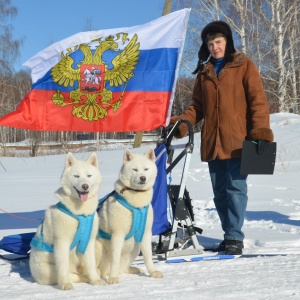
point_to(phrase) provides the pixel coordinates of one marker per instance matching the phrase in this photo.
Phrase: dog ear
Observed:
(150, 154)
(70, 161)
(128, 156)
(93, 160)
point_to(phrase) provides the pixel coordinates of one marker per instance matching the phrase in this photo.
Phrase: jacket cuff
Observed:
(261, 134)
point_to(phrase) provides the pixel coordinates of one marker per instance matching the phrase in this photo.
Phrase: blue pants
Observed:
(230, 195)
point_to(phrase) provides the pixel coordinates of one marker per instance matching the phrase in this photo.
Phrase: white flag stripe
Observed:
(165, 32)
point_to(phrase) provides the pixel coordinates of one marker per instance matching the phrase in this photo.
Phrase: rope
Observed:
(16, 216)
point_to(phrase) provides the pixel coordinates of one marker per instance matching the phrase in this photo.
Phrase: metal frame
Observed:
(181, 212)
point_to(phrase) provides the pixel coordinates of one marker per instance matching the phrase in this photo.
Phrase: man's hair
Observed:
(213, 35)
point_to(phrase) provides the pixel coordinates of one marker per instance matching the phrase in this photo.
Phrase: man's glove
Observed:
(262, 147)
(173, 121)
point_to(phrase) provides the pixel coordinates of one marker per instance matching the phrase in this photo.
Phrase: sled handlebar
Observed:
(167, 134)
(172, 130)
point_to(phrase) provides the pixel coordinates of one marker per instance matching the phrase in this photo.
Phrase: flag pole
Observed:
(167, 7)
(139, 135)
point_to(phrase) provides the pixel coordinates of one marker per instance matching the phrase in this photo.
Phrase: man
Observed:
(228, 96)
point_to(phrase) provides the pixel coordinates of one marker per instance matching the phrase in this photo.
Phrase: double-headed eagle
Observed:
(92, 97)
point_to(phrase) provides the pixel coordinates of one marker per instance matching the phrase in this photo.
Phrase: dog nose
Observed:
(85, 186)
(143, 178)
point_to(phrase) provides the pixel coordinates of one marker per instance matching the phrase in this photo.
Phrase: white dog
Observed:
(64, 245)
(126, 217)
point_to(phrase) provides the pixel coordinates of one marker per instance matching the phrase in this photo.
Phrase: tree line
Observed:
(267, 31)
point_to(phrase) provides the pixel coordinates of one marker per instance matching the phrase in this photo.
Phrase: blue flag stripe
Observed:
(155, 71)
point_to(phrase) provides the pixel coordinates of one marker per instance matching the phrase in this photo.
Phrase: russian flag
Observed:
(111, 80)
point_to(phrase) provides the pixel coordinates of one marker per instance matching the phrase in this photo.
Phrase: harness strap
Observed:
(82, 236)
(39, 243)
(103, 199)
(84, 229)
(139, 218)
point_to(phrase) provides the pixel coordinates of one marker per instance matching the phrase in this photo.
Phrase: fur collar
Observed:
(239, 59)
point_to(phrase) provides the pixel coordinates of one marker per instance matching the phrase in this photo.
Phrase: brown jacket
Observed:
(233, 107)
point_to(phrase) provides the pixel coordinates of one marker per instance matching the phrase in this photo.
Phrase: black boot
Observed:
(221, 247)
(233, 247)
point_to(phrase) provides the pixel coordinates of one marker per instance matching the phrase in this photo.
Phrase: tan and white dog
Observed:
(126, 217)
(64, 245)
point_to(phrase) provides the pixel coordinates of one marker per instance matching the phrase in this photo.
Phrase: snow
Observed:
(272, 226)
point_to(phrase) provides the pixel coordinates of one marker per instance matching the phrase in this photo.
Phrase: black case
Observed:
(252, 163)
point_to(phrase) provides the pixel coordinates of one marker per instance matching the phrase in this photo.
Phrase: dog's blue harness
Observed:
(139, 218)
(82, 236)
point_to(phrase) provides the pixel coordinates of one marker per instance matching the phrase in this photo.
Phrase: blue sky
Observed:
(43, 22)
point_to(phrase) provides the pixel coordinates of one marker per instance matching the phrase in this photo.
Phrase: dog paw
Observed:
(98, 282)
(134, 270)
(66, 286)
(156, 274)
(113, 280)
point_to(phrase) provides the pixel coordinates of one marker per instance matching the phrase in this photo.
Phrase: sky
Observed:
(41, 23)
(271, 266)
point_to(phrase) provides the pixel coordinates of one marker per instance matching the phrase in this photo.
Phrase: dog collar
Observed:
(128, 188)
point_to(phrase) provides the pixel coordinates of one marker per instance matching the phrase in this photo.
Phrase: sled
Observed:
(181, 237)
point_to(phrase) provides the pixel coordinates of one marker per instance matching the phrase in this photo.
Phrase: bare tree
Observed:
(279, 31)
(9, 51)
(267, 31)
(88, 24)
(9, 47)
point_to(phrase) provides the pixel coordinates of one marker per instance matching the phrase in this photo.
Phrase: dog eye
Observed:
(135, 170)
(89, 176)
(146, 169)
(76, 176)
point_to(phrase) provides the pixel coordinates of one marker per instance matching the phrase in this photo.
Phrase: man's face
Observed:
(217, 47)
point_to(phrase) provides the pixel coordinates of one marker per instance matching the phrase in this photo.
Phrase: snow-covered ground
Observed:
(272, 226)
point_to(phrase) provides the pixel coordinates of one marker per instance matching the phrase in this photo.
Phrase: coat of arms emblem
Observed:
(92, 77)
